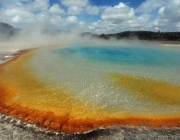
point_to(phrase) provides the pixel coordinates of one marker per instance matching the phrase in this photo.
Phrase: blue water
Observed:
(124, 55)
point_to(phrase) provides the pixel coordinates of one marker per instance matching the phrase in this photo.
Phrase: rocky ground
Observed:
(12, 129)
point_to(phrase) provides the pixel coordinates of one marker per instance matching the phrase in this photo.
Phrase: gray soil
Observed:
(12, 129)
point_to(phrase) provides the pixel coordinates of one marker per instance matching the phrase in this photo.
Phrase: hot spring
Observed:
(81, 88)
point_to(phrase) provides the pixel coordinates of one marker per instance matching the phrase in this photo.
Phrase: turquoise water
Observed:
(124, 55)
(84, 70)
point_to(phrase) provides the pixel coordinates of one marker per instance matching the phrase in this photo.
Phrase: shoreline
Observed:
(169, 43)
(12, 128)
(160, 43)
(7, 56)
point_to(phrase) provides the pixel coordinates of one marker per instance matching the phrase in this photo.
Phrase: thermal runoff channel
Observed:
(81, 88)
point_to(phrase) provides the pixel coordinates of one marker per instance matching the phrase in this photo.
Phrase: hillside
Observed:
(6, 31)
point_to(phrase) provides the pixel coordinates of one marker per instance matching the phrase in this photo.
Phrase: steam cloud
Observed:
(34, 38)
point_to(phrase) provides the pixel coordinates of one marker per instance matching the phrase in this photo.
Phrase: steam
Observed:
(34, 38)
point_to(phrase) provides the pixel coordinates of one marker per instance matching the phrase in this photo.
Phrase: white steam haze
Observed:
(34, 38)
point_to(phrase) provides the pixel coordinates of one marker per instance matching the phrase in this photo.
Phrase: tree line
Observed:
(144, 35)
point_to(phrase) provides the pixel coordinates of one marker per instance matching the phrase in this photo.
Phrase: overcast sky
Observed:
(97, 16)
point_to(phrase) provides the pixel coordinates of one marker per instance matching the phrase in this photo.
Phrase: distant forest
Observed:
(144, 35)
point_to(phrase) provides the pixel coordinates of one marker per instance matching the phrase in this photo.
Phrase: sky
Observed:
(96, 16)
